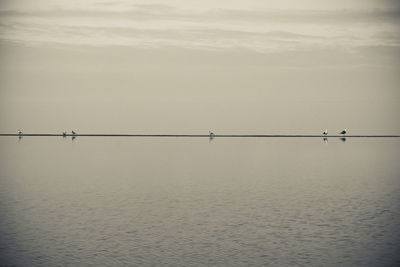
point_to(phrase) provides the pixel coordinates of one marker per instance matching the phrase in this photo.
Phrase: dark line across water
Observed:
(206, 135)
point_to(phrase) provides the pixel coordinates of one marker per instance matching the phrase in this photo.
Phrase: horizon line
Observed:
(200, 135)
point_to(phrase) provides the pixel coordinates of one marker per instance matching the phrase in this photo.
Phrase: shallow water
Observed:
(189, 201)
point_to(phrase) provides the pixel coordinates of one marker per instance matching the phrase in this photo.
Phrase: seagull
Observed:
(211, 134)
(73, 132)
(19, 132)
(325, 132)
(343, 132)
(64, 133)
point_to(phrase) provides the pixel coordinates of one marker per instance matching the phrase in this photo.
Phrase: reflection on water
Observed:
(188, 201)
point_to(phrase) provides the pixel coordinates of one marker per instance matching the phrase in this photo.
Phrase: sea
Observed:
(195, 201)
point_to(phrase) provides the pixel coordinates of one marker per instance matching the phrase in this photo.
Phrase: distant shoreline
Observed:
(207, 135)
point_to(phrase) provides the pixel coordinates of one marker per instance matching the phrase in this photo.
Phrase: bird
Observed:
(211, 134)
(343, 132)
(325, 132)
(64, 133)
(73, 132)
(19, 132)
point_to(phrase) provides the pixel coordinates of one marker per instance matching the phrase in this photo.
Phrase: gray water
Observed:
(191, 202)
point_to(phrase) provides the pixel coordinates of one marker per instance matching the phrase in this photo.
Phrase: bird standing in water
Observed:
(211, 134)
(325, 132)
(343, 132)
(74, 133)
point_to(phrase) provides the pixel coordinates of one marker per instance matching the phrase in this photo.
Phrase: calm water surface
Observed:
(188, 201)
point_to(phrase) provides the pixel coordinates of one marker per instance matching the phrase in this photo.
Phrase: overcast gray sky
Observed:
(187, 66)
(262, 26)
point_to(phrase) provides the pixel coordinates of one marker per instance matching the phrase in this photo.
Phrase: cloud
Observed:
(155, 25)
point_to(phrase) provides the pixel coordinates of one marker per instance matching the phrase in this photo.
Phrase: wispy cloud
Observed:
(264, 30)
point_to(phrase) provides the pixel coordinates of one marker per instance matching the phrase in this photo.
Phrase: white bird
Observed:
(343, 132)
(325, 132)
(19, 132)
(73, 132)
(211, 134)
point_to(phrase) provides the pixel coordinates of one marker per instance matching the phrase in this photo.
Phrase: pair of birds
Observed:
(65, 133)
(342, 132)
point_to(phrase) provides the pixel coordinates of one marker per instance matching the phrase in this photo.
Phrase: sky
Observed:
(190, 66)
(262, 26)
